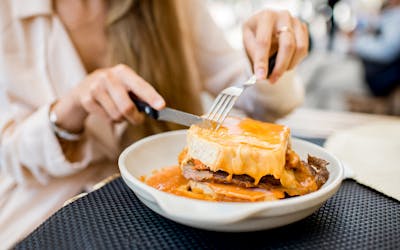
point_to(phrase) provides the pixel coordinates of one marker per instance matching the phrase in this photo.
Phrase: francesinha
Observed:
(247, 160)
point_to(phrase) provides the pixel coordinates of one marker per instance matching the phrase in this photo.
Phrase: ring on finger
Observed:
(284, 29)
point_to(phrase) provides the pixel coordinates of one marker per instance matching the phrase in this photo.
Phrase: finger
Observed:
(249, 37)
(92, 107)
(108, 105)
(263, 45)
(286, 48)
(302, 42)
(139, 86)
(249, 41)
(125, 106)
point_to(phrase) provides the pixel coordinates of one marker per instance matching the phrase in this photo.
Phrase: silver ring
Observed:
(283, 29)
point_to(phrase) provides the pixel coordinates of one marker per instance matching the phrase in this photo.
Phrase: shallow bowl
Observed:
(162, 150)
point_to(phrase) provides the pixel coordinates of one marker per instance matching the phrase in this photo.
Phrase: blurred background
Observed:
(353, 63)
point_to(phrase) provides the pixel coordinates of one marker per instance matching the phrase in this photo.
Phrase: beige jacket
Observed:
(38, 64)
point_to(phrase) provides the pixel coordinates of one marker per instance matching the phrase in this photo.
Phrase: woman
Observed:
(65, 71)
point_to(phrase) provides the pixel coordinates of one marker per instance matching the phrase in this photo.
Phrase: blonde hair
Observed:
(148, 36)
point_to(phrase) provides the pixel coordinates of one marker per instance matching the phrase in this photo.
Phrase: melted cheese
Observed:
(242, 146)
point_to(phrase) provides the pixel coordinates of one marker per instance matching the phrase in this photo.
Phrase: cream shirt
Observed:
(38, 64)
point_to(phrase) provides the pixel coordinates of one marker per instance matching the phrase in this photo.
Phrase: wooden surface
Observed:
(322, 123)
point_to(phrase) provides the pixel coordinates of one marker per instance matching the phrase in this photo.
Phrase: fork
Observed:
(226, 99)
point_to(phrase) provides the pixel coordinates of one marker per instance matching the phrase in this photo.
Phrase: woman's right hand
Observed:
(105, 92)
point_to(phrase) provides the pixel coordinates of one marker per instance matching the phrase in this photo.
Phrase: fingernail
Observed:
(274, 79)
(260, 73)
(159, 104)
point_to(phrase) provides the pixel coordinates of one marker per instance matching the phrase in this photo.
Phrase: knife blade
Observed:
(177, 116)
(166, 114)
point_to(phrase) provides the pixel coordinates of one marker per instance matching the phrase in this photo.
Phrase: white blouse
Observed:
(38, 64)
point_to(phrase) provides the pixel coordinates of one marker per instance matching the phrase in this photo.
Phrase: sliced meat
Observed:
(320, 171)
(189, 172)
(317, 162)
(192, 174)
(314, 168)
(269, 179)
(196, 164)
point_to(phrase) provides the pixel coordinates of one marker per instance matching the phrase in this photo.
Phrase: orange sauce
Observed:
(168, 180)
(172, 181)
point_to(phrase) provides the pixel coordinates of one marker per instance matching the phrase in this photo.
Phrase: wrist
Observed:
(60, 132)
(70, 115)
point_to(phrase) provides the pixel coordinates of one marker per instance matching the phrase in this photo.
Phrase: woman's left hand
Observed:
(269, 32)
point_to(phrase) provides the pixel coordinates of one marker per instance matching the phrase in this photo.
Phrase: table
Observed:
(314, 123)
(112, 217)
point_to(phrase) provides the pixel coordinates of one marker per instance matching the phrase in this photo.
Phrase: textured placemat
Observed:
(112, 217)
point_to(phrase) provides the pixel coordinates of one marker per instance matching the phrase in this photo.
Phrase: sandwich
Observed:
(246, 160)
(242, 161)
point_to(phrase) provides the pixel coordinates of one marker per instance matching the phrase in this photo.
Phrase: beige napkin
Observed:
(373, 153)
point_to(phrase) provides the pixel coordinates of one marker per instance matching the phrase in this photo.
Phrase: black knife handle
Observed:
(271, 64)
(143, 106)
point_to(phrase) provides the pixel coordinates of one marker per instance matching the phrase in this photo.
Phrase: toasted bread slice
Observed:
(241, 146)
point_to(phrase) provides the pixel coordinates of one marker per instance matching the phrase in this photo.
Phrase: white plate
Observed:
(162, 150)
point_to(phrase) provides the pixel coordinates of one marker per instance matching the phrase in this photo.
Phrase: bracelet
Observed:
(60, 132)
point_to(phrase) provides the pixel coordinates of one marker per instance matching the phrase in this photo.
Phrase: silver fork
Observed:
(225, 101)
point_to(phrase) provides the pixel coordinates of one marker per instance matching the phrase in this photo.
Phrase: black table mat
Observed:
(357, 217)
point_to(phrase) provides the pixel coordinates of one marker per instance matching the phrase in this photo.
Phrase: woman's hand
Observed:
(269, 32)
(105, 92)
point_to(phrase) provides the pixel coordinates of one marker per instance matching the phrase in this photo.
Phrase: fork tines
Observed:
(225, 101)
(220, 108)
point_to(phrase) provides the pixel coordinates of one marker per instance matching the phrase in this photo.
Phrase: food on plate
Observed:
(243, 160)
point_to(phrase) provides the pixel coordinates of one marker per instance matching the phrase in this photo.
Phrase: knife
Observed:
(166, 114)
(177, 116)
